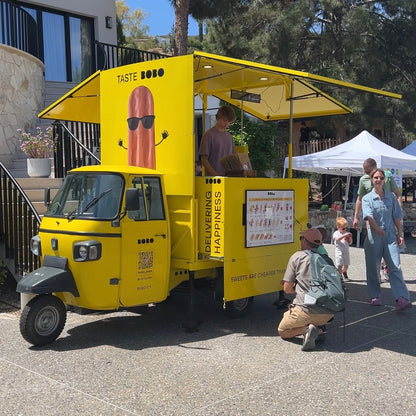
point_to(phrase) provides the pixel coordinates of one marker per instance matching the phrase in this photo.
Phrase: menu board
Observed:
(269, 217)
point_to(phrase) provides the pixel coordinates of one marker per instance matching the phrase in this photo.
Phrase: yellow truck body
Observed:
(209, 225)
(150, 224)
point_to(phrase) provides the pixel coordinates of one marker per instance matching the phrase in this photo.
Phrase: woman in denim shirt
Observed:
(384, 238)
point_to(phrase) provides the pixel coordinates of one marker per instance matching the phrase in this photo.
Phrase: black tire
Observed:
(239, 307)
(42, 320)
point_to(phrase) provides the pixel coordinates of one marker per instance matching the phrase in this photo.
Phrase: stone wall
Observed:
(21, 98)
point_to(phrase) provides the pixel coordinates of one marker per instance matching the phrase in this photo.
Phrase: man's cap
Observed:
(312, 235)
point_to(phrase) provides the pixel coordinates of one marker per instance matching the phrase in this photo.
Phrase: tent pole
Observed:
(204, 113)
(241, 121)
(290, 149)
(347, 188)
(204, 110)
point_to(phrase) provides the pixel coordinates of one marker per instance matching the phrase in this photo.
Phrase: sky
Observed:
(160, 16)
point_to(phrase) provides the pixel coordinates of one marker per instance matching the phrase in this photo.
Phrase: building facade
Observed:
(46, 47)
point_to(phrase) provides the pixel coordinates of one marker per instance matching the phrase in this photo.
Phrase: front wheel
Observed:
(239, 307)
(42, 320)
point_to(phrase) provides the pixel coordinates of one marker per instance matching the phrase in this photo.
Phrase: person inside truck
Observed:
(198, 168)
(217, 143)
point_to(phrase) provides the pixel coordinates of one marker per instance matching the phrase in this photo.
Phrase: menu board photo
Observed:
(269, 217)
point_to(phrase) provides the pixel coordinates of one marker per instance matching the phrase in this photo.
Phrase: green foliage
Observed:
(370, 43)
(194, 44)
(204, 9)
(261, 138)
(131, 32)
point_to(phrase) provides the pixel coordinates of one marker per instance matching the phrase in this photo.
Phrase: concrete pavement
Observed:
(131, 364)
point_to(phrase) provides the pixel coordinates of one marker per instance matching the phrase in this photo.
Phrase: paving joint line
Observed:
(65, 385)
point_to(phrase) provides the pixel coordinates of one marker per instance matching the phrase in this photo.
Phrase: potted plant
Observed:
(39, 147)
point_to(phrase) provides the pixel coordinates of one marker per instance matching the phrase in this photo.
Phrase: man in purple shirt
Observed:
(217, 142)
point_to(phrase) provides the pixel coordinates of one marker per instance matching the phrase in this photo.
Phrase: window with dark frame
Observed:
(66, 43)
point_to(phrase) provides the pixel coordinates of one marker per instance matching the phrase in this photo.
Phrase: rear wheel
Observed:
(43, 320)
(239, 307)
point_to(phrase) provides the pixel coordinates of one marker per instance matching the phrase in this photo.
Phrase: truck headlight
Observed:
(87, 250)
(35, 246)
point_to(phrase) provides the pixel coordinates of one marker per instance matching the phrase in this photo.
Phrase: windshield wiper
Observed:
(73, 214)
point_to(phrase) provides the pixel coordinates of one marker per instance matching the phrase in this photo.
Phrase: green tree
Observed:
(365, 42)
(262, 141)
(181, 8)
(131, 32)
(201, 10)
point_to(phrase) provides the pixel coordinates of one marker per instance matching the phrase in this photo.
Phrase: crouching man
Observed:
(302, 319)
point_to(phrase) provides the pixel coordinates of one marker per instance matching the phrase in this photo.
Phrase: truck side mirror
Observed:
(132, 199)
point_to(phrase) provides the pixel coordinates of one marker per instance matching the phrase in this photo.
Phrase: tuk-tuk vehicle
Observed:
(127, 232)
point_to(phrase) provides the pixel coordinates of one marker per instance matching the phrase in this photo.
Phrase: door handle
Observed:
(160, 235)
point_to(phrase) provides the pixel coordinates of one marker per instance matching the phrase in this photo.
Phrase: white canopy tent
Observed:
(347, 158)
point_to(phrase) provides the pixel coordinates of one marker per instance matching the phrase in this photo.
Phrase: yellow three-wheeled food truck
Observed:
(127, 232)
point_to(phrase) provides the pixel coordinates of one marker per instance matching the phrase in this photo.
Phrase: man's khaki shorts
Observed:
(297, 318)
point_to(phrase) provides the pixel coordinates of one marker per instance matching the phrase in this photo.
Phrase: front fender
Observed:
(53, 276)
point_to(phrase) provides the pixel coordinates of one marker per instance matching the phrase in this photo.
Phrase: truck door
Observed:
(145, 246)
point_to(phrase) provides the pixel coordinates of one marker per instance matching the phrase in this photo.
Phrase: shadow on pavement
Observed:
(366, 326)
(369, 327)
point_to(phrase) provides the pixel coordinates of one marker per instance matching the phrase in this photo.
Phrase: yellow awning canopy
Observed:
(265, 91)
(82, 103)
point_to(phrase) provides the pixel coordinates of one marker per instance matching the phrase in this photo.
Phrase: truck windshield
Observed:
(88, 195)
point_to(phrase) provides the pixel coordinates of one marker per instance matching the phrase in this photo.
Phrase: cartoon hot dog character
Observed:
(141, 133)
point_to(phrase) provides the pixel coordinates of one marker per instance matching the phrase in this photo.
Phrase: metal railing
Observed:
(18, 28)
(315, 145)
(19, 221)
(75, 146)
(78, 143)
(111, 56)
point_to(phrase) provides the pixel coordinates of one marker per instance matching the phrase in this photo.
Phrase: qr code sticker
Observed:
(145, 260)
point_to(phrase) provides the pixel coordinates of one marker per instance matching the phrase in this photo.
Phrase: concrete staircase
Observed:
(19, 167)
(35, 190)
(34, 187)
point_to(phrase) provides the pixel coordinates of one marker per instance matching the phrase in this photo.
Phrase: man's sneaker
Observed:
(345, 277)
(375, 302)
(309, 338)
(402, 303)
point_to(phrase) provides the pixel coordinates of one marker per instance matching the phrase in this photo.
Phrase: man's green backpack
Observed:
(326, 289)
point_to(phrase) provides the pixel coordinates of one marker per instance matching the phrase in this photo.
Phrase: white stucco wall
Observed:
(21, 97)
(97, 9)
(22, 79)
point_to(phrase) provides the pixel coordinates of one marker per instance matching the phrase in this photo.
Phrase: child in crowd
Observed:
(342, 240)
